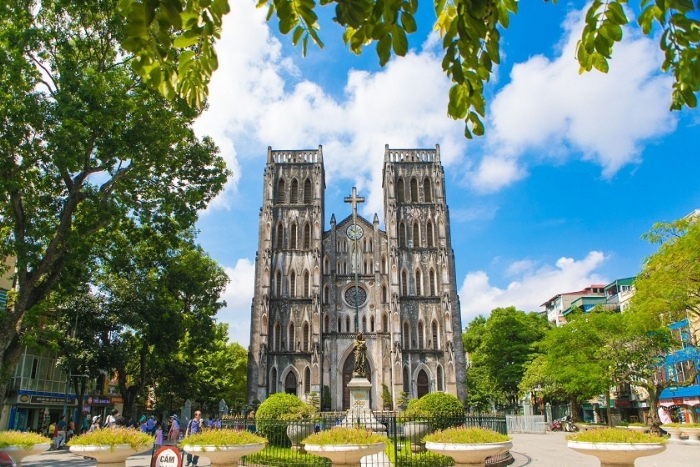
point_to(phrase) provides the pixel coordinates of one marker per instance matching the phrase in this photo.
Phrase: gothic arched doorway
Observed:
(290, 383)
(347, 376)
(422, 384)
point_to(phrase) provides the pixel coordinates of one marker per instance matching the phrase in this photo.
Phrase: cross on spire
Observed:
(354, 200)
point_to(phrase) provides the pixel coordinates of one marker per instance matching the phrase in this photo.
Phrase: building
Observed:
(315, 289)
(556, 307)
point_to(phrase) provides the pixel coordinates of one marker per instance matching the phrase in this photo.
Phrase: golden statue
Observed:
(360, 351)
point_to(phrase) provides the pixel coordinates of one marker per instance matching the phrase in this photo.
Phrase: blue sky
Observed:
(572, 171)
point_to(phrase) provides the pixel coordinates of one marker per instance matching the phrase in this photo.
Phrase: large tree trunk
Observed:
(12, 351)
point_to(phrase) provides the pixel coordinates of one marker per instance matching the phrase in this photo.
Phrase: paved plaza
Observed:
(547, 450)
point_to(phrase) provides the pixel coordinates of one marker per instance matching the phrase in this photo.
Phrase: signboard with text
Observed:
(167, 456)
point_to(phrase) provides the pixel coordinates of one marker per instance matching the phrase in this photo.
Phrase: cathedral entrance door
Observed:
(347, 376)
(290, 383)
(422, 384)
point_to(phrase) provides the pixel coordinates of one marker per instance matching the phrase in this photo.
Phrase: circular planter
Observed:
(297, 430)
(345, 454)
(415, 432)
(617, 454)
(583, 427)
(17, 453)
(675, 432)
(110, 456)
(469, 455)
(221, 456)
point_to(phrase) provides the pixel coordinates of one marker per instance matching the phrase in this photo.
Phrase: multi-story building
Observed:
(315, 289)
(556, 306)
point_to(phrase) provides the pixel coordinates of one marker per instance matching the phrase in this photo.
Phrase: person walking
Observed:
(111, 420)
(95, 423)
(61, 427)
(174, 431)
(194, 426)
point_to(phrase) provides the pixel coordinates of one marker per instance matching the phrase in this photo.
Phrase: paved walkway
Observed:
(547, 450)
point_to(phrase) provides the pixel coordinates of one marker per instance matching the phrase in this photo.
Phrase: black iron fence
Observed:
(404, 435)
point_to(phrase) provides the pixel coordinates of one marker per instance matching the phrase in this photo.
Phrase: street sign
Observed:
(167, 456)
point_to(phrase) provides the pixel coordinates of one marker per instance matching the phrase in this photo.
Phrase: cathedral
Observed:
(315, 290)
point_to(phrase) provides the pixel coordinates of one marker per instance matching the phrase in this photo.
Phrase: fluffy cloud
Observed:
(550, 110)
(254, 103)
(238, 297)
(530, 287)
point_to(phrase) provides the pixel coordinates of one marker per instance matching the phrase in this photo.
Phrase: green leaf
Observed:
(399, 41)
(603, 46)
(186, 39)
(457, 106)
(298, 31)
(600, 63)
(384, 49)
(611, 31)
(616, 13)
(511, 5)
(408, 23)
(439, 7)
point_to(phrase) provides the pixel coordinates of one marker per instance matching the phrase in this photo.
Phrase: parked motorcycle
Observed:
(564, 424)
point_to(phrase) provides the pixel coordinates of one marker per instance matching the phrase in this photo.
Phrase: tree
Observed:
(670, 279)
(470, 31)
(84, 145)
(499, 348)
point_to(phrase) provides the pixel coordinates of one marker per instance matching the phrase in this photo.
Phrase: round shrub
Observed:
(268, 418)
(444, 410)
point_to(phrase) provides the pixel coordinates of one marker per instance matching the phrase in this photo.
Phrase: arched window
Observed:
(385, 298)
(293, 285)
(291, 336)
(340, 329)
(385, 323)
(383, 264)
(279, 238)
(427, 193)
(433, 290)
(371, 245)
(306, 337)
(326, 265)
(307, 236)
(406, 381)
(294, 194)
(307, 191)
(419, 283)
(434, 331)
(280, 191)
(307, 380)
(326, 323)
(325, 294)
(277, 337)
(278, 284)
(404, 283)
(440, 383)
(402, 235)
(293, 237)
(400, 192)
(420, 334)
(430, 233)
(364, 324)
(406, 336)
(371, 324)
(347, 324)
(307, 292)
(414, 190)
(273, 381)
(416, 237)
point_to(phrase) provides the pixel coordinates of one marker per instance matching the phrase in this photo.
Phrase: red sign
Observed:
(167, 456)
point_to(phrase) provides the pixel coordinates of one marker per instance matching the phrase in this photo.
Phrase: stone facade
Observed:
(310, 283)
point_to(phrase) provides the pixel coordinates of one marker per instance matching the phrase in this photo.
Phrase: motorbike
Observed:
(564, 424)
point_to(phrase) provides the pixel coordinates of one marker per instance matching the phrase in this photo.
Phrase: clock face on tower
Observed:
(350, 296)
(354, 232)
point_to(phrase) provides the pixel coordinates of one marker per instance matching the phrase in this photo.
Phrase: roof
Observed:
(616, 282)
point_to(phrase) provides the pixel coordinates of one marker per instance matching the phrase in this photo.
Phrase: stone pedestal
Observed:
(360, 413)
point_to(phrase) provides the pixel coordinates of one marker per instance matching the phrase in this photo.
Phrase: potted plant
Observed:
(300, 420)
(692, 430)
(416, 424)
(469, 447)
(345, 446)
(634, 426)
(18, 444)
(111, 446)
(223, 447)
(269, 418)
(615, 446)
(433, 411)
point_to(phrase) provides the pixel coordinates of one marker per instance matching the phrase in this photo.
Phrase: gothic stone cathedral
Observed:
(303, 318)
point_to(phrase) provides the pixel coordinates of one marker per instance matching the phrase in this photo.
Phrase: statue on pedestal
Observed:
(360, 351)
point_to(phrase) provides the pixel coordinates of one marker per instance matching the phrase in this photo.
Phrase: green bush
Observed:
(268, 418)
(444, 410)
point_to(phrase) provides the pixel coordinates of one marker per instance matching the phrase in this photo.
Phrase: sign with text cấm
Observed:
(167, 456)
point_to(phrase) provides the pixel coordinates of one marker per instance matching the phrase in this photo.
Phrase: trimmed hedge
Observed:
(444, 409)
(268, 417)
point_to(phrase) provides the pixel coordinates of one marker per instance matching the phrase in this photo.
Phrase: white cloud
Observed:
(257, 99)
(238, 297)
(548, 109)
(531, 287)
